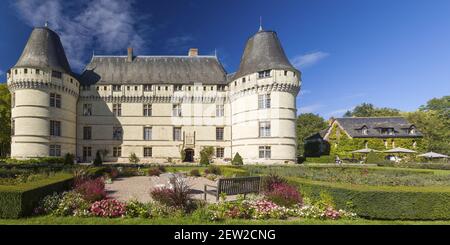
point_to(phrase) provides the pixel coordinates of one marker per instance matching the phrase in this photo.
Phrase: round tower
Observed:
(263, 102)
(44, 94)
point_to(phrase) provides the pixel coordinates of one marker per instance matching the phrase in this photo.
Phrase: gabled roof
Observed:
(154, 70)
(263, 51)
(352, 126)
(44, 50)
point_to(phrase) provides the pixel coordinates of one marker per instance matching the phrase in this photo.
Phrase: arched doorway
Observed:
(188, 155)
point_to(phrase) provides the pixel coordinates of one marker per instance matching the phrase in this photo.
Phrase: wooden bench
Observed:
(235, 186)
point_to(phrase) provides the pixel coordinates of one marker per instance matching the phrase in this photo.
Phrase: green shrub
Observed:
(206, 155)
(72, 204)
(98, 159)
(68, 159)
(237, 160)
(381, 202)
(133, 158)
(214, 170)
(322, 159)
(20, 200)
(136, 209)
(194, 172)
(373, 157)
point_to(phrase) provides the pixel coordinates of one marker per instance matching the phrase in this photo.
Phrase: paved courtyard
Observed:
(139, 187)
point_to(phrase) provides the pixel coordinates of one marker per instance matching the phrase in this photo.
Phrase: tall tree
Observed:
(369, 110)
(433, 121)
(5, 120)
(308, 124)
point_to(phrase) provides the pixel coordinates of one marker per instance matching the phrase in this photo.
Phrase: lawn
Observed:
(52, 220)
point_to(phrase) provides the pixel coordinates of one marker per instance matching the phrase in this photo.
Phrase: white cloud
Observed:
(106, 25)
(307, 60)
(309, 108)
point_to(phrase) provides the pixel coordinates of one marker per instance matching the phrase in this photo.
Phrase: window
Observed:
(189, 88)
(220, 152)
(177, 134)
(147, 87)
(56, 74)
(220, 87)
(387, 131)
(159, 88)
(55, 128)
(147, 110)
(128, 88)
(117, 151)
(412, 130)
(264, 101)
(87, 133)
(13, 127)
(166, 88)
(219, 110)
(219, 133)
(55, 100)
(364, 130)
(117, 110)
(13, 100)
(39, 71)
(98, 88)
(178, 87)
(147, 152)
(117, 133)
(55, 150)
(15, 71)
(285, 73)
(135, 88)
(105, 88)
(85, 87)
(176, 110)
(243, 80)
(147, 133)
(264, 129)
(25, 71)
(264, 152)
(87, 109)
(87, 151)
(117, 87)
(263, 74)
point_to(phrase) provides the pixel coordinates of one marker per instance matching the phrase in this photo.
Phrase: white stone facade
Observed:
(253, 115)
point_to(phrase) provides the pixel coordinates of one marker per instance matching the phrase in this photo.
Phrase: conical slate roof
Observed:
(263, 51)
(44, 50)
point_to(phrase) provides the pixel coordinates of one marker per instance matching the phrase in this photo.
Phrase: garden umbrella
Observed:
(365, 150)
(433, 155)
(399, 150)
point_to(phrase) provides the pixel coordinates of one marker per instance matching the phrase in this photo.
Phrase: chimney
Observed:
(130, 54)
(193, 52)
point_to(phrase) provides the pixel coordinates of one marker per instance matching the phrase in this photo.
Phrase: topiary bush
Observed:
(206, 155)
(237, 160)
(98, 159)
(133, 158)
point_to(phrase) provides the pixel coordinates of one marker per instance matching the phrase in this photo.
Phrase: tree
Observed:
(440, 105)
(369, 110)
(237, 159)
(5, 120)
(435, 127)
(206, 155)
(98, 159)
(133, 158)
(307, 125)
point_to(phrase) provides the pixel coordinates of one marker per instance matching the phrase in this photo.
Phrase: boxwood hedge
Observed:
(20, 200)
(383, 202)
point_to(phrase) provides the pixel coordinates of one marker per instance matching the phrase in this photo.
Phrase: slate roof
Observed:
(154, 70)
(353, 126)
(263, 51)
(44, 50)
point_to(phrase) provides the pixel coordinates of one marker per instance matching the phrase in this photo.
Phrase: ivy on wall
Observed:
(342, 145)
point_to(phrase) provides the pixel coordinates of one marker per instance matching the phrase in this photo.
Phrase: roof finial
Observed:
(46, 24)
(260, 23)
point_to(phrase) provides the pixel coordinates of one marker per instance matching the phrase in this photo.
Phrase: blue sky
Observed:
(389, 53)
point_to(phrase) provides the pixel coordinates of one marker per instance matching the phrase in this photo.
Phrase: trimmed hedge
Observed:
(383, 202)
(20, 200)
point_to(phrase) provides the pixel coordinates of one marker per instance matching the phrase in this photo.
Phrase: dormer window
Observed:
(147, 87)
(117, 87)
(178, 87)
(264, 74)
(387, 131)
(56, 74)
(412, 130)
(364, 130)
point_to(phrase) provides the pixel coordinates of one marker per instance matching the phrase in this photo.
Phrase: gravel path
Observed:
(139, 187)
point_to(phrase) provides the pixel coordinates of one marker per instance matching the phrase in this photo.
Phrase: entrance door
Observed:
(188, 155)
